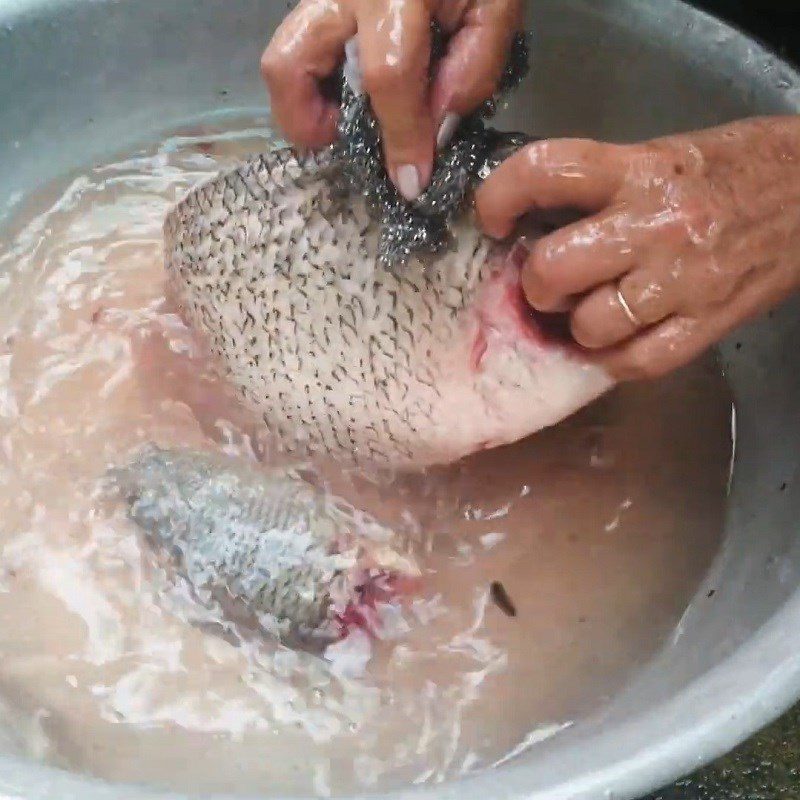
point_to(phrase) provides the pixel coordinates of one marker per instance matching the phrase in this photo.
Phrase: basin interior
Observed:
(81, 80)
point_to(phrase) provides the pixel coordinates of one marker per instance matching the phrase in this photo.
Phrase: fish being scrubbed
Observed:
(277, 265)
(361, 326)
(265, 545)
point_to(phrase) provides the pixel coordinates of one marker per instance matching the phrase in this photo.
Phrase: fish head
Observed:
(340, 354)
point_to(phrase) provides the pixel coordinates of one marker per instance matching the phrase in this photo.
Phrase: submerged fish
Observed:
(280, 550)
(277, 264)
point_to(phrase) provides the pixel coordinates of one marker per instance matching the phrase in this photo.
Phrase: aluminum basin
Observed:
(83, 79)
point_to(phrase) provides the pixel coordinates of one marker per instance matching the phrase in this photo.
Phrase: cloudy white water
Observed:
(599, 532)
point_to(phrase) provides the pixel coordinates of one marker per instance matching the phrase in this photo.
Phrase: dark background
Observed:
(775, 22)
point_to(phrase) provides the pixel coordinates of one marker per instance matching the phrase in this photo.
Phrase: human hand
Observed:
(690, 235)
(394, 50)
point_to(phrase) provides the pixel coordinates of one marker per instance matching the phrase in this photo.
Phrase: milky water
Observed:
(598, 531)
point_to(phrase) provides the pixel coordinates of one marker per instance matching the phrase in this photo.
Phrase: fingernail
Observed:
(352, 65)
(407, 181)
(447, 129)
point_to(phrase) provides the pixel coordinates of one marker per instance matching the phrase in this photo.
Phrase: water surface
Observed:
(599, 532)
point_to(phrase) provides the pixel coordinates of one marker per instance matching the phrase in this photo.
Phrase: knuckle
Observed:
(551, 153)
(387, 78)
(642, 366)
(646, 161)
(701, 218)
(536, 153)
(656, 152)
(272, 66)
(547, 265)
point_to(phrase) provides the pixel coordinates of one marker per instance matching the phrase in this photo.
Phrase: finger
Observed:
(394, 43)
(475, 59)
(559, 173)
(653, 293)
(659, 350)
(680, 339)
(307, 47)
(578, 257)
(600, 319)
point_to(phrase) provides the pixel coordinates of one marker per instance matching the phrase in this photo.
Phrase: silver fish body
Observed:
(268, 541)
(277, 265)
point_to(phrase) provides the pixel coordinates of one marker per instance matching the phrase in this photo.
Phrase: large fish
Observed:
(277, 265)
(269, 547)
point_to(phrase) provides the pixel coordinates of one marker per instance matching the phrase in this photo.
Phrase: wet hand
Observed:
(394, 51)
(687, 237)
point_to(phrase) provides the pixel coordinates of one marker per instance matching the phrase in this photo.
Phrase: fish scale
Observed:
(344, 355)
(297, 335)
(265, 539)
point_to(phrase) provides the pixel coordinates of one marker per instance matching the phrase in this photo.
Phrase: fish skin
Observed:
(272, 543)
(276, 264)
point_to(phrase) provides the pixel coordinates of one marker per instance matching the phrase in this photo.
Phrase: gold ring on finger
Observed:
(635, 321)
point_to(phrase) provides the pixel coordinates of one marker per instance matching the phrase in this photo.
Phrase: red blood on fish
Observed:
(381, 587)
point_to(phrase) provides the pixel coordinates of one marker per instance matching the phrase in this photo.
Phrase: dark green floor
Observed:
(766, 768)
